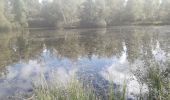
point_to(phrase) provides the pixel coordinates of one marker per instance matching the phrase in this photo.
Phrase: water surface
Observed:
(94, 55)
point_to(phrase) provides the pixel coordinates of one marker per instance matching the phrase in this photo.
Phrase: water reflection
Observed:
(119, 72)
(97, 56)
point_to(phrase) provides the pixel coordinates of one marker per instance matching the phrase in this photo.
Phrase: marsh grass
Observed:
(124, 91)
(111, 91)
(158, 84)
(73, 90)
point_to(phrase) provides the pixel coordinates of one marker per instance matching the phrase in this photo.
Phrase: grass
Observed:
(73, 90)
(159, 89)
(158, 84)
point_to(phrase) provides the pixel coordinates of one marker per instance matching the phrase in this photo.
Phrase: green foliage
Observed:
(4, 24)
(133, 10)
(85, 13)
(165, 11)
(60, 13)
(151, 10)
(92, 14)
(114, 11)
(19, 11)
(51, 12)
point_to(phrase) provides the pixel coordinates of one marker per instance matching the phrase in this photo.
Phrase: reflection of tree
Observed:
(133, 43)
(74, 44)
(102, 43)
(141, 42)
(15, 47)
(67, 46)
(6, 53)
(164, 40)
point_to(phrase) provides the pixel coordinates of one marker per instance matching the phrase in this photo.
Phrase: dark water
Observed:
(98, 55)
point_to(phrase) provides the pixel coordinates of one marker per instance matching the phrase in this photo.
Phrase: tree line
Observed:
(82, 13)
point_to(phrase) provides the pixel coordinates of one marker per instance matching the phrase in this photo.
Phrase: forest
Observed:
(16, 14)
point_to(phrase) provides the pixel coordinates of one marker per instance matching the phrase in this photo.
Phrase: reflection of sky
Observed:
(119, 73)
(22, 73)
(116, 69)
(158, 53)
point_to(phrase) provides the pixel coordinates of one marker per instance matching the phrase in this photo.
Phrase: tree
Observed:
(19, 11)
(133, 11)
(33, 8)
(60, 13)
(4, 23)
(51, 14)
(68, 10)
(92, 14)
(151, 10)
(84, 13)
(165, 11)
(114, 11)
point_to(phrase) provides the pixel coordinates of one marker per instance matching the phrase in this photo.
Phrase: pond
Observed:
(95, 56)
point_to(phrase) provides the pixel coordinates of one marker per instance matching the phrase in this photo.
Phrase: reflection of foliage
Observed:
(132, 44)
(102, 43)
(13, 47)
(75, 44)
(140, 43)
